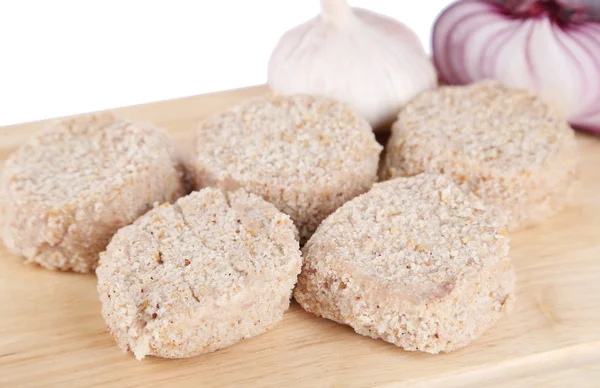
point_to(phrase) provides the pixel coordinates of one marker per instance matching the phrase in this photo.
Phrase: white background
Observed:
(65, 57)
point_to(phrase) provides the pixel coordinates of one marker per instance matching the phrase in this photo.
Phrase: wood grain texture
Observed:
(52, 334)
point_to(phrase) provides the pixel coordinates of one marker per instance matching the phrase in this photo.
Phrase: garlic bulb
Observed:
(551, 47)
(370, 61)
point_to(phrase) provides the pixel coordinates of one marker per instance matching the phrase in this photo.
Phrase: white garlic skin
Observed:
(372, 62)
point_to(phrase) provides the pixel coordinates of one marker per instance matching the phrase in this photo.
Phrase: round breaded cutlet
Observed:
(306, 155)
(68, 189)
(506, 146)
(199, 275)
(415, 262)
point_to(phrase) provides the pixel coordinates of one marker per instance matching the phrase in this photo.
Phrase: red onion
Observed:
(551, 47)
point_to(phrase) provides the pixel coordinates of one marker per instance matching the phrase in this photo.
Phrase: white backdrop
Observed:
(65, 57)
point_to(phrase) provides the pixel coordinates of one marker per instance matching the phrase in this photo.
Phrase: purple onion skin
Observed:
(565, 14)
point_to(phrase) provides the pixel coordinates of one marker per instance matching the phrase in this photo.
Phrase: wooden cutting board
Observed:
(52, 334)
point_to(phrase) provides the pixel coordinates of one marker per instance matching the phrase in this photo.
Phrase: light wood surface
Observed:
(52, 334)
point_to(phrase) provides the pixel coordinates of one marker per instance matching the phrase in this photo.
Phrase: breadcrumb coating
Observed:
(415, 262)
(199, 275)
(67, 190)
(505, 145)
(306, 155)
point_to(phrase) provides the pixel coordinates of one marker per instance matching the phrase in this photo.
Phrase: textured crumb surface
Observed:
(69, 188)
(199, 275)
(415, 262)
(306, 155)
(506, 146)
